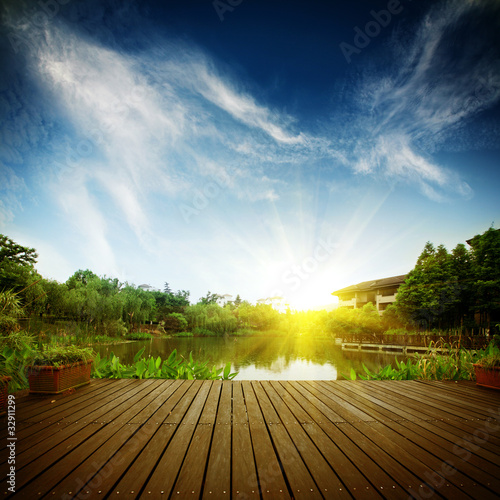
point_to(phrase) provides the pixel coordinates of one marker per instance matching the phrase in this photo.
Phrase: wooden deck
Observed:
(246, 440)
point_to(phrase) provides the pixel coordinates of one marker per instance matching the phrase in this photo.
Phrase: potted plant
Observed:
(488, 371)
(55, 369)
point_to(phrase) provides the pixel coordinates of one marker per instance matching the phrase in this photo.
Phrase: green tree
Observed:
(486, 271)
(429, 292)
(15, 253)
(210, 298)
(80, 277)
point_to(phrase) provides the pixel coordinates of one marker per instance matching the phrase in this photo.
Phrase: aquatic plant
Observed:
(174, 367)
(450, 363)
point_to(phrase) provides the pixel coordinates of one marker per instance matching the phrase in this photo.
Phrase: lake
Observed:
(261, 358)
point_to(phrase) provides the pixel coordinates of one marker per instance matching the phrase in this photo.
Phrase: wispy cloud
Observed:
(433, 90)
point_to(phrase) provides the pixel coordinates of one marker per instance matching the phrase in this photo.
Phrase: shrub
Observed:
(174, 322)
(115, 328)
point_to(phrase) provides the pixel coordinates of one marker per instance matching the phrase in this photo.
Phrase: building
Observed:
(380, 293)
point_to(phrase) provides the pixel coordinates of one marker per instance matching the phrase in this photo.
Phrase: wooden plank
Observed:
(354, 446)
(141, 466)
(348, 474)
(432, 408)
(298, 476)
(270, 476)
(441, 449)
(165, 473)
(457, 426)
(116, 437)
(32, 404)
(76, 468)
(324, 476)
(445, 400)
(161, 394)
(414, 458)
(37, 433)
(190, 479)
(35, 460)
(244, 473)
(70, 408)
(345, 409)
(218, 477)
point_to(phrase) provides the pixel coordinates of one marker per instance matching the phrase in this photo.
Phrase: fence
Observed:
(418, 340)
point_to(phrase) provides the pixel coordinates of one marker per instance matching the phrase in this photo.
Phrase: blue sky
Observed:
(257, 148)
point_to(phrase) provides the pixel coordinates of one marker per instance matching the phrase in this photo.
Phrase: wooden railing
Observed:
(419, 340)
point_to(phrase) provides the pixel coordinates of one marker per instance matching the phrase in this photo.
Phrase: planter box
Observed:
(4, 392)
(487, 377)
(57, 379)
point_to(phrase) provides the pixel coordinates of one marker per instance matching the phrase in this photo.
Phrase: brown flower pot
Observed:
(57, 379)
(4, 392)
(487, 377)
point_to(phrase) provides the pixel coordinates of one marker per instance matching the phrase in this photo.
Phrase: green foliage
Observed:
(174, 367)
(184, 334)
(12, 252)
(210, 298)
(13, 364)
(17, 340)
(138, 336)
(115, 328)
(450, 364)
(450, 290)
(174, 323)
(57, 355)
(490, 361)
(399, 331)
(10, 311)
(364, 320)
(489, 357)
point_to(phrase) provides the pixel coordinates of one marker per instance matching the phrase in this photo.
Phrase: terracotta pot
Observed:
(487, 377)
(57, 379)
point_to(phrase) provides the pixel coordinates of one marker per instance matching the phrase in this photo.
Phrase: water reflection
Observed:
(260, 358)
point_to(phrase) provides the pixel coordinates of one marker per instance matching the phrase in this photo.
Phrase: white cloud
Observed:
(431, 92)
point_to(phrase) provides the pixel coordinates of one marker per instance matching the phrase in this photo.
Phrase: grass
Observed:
(138, 336)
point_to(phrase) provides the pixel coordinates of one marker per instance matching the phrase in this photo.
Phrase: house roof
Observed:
(367, 286)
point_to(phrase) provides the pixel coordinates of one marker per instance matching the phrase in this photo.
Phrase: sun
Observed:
(310, 298)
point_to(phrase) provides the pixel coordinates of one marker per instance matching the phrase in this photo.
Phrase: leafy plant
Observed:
(13, 363)
(57, 355)
(490, 361)
(174, 367)
(450, 364)
(10, 310)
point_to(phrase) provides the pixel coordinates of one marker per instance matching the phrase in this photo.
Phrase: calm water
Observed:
(257, 358)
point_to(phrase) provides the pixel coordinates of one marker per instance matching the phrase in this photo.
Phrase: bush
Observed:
(115, 328)
(184, 334)
(203, 331)
(174, 322)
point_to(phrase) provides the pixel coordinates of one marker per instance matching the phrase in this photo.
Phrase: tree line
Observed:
(454, 291)
(446, 291)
